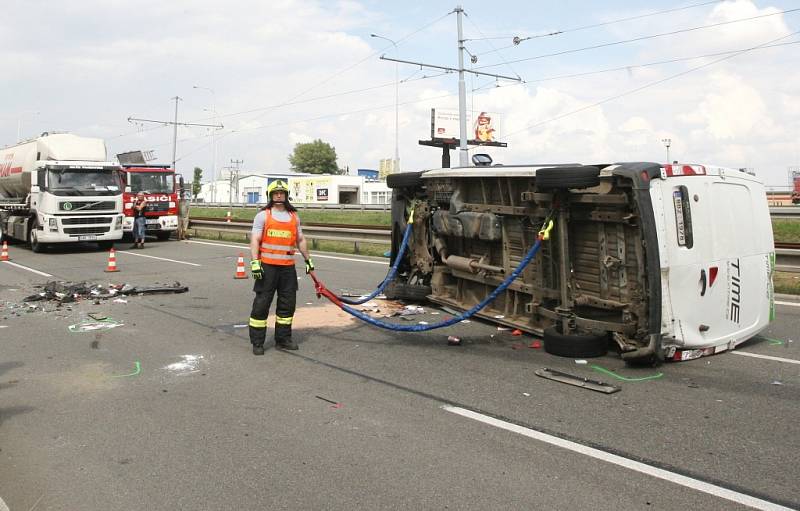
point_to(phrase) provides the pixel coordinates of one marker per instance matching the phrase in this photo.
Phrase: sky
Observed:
(602, 82)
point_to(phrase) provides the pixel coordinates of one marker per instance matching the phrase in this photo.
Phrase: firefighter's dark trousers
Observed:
(283, 280)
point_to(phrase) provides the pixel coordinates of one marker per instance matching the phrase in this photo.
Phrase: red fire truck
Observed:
(796, 187)
(158, 183)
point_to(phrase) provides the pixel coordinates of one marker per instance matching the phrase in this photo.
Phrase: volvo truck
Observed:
(60, 188)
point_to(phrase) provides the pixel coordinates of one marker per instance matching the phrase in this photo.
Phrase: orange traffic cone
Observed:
(4, 253)
(228, 217)
(112, 261)
(240, 272)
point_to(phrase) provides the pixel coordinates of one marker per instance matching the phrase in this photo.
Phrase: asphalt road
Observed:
(172, 411)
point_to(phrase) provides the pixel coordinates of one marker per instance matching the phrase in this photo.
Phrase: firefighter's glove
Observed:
(255, 269)
(309, 266)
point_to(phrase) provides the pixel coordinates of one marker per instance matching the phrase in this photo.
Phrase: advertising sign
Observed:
(482, 127)
(309, 189)
(322, 194)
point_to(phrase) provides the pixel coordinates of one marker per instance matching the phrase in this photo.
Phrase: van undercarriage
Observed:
(589, 282)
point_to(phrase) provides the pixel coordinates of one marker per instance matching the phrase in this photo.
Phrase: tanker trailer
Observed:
(59, 188)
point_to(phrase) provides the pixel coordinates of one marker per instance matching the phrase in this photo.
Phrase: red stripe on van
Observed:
(684, 170)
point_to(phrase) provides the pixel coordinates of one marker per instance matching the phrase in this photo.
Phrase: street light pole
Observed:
(396, 165)
(213, 142)
(667, 142)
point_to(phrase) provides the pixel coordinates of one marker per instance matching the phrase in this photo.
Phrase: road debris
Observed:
(69, 292)
(90, 326)
(452, 340)
(577, 381)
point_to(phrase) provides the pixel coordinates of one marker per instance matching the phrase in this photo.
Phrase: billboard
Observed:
(310, 189)
(482, 127)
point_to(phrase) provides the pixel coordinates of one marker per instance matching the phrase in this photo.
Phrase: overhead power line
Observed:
(635, 39)
(518, 40)
(635, 66)
(646, 86)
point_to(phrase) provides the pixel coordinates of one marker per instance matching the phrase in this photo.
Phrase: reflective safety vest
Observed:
(279, 240)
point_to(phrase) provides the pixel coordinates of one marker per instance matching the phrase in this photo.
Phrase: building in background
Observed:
(388, 166)
(303, 189)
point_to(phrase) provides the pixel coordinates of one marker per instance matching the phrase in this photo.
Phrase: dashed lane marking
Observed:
(766, 357)
(315, 254)
(643, 468)
(160, 258)
(43, 274)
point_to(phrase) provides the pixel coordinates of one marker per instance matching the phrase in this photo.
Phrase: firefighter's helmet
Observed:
(278, 185)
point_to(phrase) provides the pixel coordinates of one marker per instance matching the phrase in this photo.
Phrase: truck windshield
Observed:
(83, 182)
(152, 182)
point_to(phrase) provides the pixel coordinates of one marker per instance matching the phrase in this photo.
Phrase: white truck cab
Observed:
(660, 261)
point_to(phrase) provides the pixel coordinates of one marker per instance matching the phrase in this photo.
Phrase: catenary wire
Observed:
(635, 39)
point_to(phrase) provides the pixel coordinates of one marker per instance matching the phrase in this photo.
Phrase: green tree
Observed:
(196, 185)
(315, 157)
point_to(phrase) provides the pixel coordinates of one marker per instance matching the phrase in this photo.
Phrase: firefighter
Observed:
(275, 234)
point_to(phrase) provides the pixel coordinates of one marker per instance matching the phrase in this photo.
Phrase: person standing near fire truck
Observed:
(139, 220)
(275, 234)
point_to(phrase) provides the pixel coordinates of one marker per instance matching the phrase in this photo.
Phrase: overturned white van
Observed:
(661, 261)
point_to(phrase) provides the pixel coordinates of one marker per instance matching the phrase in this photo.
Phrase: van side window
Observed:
(683, 216)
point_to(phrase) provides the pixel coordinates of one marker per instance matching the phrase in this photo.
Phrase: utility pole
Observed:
(396, 166)
(174, 123)
(236, 168)
(667, 142)
(213, 141)
(462, 95)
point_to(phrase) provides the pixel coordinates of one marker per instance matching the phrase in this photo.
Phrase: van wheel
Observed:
(575, 345)
(561, 178)
(404, 180)
(399, 291)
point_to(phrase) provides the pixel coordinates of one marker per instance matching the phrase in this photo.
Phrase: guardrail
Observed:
(376, 235)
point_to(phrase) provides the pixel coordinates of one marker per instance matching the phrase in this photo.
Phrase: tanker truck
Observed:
(59, 188)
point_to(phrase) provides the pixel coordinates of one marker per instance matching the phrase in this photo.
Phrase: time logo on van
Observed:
(734, 290)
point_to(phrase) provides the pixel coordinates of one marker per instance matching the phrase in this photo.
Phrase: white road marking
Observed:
(790, 304)
(43, 274)
(160, 258)
(637, 466)
(315, 254)
(766, 357)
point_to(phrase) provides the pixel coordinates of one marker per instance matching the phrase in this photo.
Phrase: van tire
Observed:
(404, 180)
(399, 291)
(575, 345)
(562, 178)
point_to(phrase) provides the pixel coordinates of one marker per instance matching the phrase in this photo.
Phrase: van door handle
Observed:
(703, 280)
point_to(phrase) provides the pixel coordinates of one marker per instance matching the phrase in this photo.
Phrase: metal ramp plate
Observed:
(577, 381)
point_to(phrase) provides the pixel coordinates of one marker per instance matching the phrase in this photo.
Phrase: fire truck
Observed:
(796, 187)
(158, 182)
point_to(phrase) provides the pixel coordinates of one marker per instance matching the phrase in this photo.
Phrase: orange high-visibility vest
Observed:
(278, 240)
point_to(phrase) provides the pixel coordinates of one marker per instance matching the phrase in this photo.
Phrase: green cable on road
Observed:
(137, 371)
(625, 378)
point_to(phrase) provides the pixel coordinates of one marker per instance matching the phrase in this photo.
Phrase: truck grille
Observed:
(157, 206)
(76, 231)
(86, 220)
(85, 205)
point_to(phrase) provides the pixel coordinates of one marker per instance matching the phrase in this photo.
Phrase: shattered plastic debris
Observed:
(581, 362)
(88, 326)
(503, 329)
(526, 394)
(536, 344)
(517, 332)
(68, 292)
(120, 300)
(776, 382)
(452, 340)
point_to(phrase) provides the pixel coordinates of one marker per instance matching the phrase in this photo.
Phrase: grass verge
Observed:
(786, 231)
(787, 283)
(316, 216)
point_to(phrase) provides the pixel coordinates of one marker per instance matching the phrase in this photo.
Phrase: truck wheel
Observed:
(33, 238)
(575, 345)
(404, 180)
(561, 178)
(163, 236)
